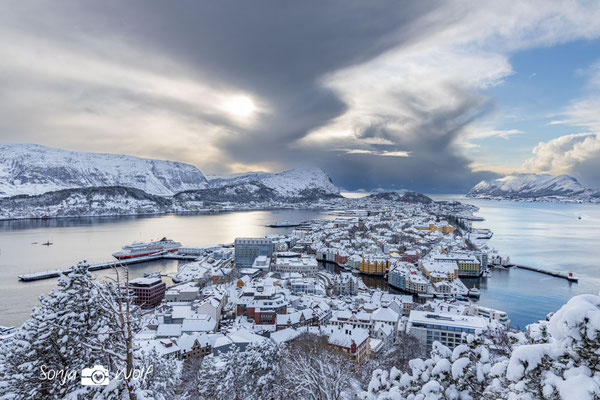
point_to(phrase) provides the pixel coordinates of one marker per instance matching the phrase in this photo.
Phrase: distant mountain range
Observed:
(539, 187)
(38, 181)
(404, 196)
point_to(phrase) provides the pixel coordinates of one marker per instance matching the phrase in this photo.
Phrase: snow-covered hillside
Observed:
(97, 201)
(34, 169)
(298, 182)
(529, 186)
(220, 180)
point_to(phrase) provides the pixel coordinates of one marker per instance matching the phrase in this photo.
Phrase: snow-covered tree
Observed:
(311, 369)
(459, 374)
(238, 375)
(53, 339)
(558, 359)
(563, 361)
(81, 324)
(163, 380)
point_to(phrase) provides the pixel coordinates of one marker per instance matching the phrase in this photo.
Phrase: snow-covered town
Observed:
(369, 289)
(310, 280)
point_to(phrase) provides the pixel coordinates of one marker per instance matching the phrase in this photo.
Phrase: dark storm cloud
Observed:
(280, 52)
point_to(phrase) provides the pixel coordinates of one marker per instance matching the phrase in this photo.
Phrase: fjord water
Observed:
(95, 239)
(543, 235)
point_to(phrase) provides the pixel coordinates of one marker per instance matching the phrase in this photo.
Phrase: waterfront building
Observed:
(354, 261)
(445, 328)
(468, 265)
(397, 277)
(416, 283)
(247, 249)
(441, 226)
(345, 284)
(374, 266)
(148, 291)
(438, 271)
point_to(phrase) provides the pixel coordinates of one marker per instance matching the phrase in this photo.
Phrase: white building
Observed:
(345, 284)
(305, 265)
(186, 292)
(262, 263)
(445, 328)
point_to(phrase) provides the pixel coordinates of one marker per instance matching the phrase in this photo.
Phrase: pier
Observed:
(568, 276)
(54, 273)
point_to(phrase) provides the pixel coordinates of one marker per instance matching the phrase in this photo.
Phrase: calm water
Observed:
(95, 239)
(544, 235)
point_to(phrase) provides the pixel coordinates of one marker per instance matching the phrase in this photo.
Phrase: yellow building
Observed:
(443, 227)
(437, 272)
(468, 266)
(375, 266)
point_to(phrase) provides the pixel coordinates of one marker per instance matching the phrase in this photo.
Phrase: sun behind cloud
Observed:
(239, 106)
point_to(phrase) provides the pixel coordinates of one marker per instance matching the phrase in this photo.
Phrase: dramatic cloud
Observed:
(575, 154)
(377, 94)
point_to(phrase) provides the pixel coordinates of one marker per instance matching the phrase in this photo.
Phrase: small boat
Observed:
(461, 298)
(155, 274)
(474, 292)
(48, 243)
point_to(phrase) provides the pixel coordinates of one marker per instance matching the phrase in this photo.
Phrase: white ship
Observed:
(138, 249)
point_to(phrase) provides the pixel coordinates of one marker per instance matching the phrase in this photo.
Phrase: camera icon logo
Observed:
(95, 376)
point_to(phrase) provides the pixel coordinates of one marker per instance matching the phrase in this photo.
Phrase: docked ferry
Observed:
(138, 249)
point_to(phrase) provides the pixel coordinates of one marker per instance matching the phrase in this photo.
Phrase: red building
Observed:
(411, 256)
(261, 305)
(341, 258)
(148, 291)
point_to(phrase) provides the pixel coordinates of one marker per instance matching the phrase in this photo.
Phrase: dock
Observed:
(568, 276)
(55, 273)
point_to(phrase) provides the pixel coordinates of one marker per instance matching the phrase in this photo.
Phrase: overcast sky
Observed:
(429, 96)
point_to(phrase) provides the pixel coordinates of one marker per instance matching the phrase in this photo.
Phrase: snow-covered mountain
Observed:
(220, 180)
(299, 182)
(530, 186)
(34, 169)
(38, 181)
